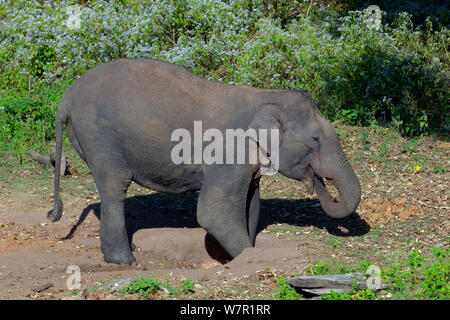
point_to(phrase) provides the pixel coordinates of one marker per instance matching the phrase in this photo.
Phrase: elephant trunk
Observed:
(338, 170)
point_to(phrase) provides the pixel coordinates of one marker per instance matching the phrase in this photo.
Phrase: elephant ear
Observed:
(268, 126)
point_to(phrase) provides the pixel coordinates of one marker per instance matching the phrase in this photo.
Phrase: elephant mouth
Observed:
(308, 180)
(312, 178)
(315, 181)
(319, 183)
(346, 200)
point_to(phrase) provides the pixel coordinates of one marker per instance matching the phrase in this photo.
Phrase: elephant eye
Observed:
(315, 143)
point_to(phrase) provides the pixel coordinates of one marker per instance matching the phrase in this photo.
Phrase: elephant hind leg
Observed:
(114, 238)
(73, 138)
(112, 178)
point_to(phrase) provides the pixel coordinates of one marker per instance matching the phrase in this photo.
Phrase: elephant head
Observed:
(310, 151)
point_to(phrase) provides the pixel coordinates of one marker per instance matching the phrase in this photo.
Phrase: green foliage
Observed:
(440, 169)
(410, 147)
(335, 244)
(418, 277)
(402, 278)
(144, 286)
(148, 287)
(396, 276)
(424, 280)
(394, 74)
(436, 284)
(170, 289)
(364, 135)
(350, 295)
(74, 292)
(421, 11)
(415, 262)
(324, 268)
(187, 286)
(383, 150)
(417, 165)
(362, 75)
(27, 121)
(318, 269)
(285, 291)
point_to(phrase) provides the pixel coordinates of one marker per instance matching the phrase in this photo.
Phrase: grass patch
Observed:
(150, 287)
(284, 291)
(416, 277)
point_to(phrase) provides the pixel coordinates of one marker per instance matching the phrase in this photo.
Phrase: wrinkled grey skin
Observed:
(120, 116)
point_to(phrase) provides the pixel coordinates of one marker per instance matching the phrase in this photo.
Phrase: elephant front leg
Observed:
(223, 205)
(253, 209)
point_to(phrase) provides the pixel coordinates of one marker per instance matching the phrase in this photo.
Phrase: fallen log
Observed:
(42, 160)
(50, 160)
(339, 283)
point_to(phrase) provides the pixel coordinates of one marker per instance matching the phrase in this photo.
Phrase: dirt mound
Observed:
(379, 211)
(185, 251)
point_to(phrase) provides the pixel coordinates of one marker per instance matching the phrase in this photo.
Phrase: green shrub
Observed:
(436, 11)
(27, 121)
(392, 74)
(362, 75)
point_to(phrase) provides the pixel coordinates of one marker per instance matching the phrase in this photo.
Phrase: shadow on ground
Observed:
(161, 210)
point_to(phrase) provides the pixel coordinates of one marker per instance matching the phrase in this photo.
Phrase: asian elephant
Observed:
(120, 116)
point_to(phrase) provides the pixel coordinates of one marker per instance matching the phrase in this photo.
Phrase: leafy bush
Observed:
(27, 121)
(436, 11)
(393, 73)
(355, 73)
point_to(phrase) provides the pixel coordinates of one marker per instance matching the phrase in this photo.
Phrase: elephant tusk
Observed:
(309, 180)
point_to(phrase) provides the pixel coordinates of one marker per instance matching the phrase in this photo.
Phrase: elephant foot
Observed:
(55, 214)
(215, 250)
(120, 258)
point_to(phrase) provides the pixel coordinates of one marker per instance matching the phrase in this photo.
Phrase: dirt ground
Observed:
(35, 253)
(404, 206)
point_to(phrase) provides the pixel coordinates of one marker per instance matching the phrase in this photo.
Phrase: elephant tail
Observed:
(55, 214)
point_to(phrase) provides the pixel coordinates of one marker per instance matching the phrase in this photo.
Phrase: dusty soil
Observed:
(34, 252)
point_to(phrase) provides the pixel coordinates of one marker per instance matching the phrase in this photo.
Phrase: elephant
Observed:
(119, 117)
